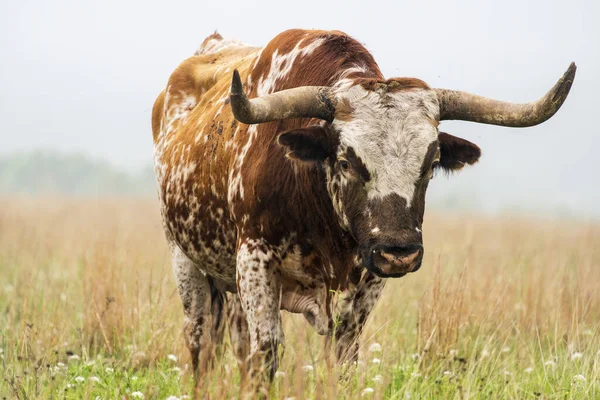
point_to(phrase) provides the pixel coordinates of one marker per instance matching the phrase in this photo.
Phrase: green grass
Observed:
(502, 308)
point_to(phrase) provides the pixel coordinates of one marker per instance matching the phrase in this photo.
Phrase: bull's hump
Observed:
(216, 43)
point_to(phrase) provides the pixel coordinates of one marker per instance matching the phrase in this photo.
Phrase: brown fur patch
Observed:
(323, 67)
(392, 85)
(399, 84)
(344, 110)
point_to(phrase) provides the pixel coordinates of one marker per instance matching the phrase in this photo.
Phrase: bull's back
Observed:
(194, 138)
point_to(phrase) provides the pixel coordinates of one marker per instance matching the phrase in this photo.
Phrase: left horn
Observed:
(470, 107)
(300, 102)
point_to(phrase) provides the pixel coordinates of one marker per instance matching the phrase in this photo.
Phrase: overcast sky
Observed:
(82, 76)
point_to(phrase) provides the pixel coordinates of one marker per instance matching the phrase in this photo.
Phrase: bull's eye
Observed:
(344, 165)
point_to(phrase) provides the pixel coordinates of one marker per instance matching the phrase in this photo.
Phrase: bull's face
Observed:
(379, 145)
(379, 153)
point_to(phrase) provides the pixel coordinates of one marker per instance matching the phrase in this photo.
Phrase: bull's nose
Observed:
(397, 260)
(401, 255)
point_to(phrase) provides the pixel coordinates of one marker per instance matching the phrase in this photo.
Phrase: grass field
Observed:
(503, 307)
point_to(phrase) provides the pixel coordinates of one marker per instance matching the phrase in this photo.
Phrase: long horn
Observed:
(300, 102)
(470, 107)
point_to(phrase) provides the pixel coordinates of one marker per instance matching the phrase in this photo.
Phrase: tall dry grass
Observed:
(494, 297)
(86, 276)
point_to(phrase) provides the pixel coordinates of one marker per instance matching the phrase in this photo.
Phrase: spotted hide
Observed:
(301, 212)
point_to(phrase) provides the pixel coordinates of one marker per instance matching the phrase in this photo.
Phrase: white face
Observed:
(390, 133)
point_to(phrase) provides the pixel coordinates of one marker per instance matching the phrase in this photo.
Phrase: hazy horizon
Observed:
(82, 77)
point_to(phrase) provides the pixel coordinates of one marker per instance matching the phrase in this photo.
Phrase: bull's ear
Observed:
(308, 144)
(455, 152)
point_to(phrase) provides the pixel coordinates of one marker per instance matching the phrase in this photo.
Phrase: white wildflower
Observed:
(579, 379)
(447, 373)
(289, 398)
(94, 379)
(79, 379)
(505, 349)
(528, 370)
(90, 363)
(73, 357)
(416, 356)
(60, 365)
(376, 361)
(172, 398)
(378, 378)
(550, 363)
(69, 385)
(485, 353)
(172, 357)
(415, 374)
(137, 395)
(279, 374)
(308, 368)
(576, 356)
(109, 370)
(375, 348)
(134, 378)
(453, 352)
(368, 391)
(406, 395)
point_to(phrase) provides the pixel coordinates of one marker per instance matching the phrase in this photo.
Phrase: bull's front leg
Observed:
(354, 312)
(259, 292)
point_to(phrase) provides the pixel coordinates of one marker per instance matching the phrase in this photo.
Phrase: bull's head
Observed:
(380, 146)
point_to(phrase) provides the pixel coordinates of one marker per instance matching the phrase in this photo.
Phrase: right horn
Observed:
(300, 102)
(470, 107)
